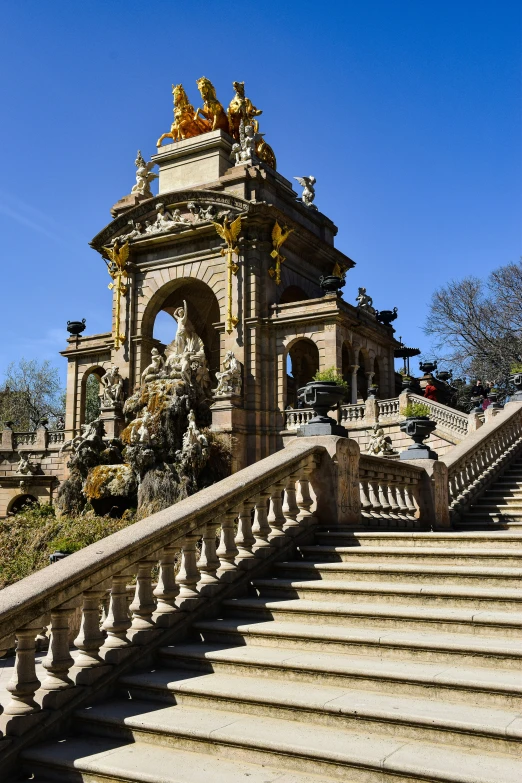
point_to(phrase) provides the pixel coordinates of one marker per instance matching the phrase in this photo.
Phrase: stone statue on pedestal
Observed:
(229, 380)
(186, 354)
(26, 467)
(365, 302)
(379, 444)
(308, 194)
(245, 151)
(144, 176)
(112, 387)
(155, 369)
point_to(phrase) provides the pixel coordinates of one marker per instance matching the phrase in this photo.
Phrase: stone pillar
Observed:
(404, 400)
(433, 494)
(353, 383)
(229, 417)
(371, 413)
(7, 438)
(113, 420)
(474, 421)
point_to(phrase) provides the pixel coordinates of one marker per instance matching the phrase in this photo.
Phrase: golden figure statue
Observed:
(279, 237)
(229, 232)
(185, 124)
(212, 112)
(241, 108)
(117, 266)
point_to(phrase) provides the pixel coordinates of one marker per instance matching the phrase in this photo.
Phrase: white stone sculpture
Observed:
(155, 369)
(186, 354)
(88, 433)
(229, 380)
(245, 151)
(365, 302)
(193, 436)
(25, 467)
(112, 387)
(201, 214)
(144, 177)
(308, 194)
(379, 444)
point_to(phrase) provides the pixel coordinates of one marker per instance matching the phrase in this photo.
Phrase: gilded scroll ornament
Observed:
(117, 266)
(229, 232)
(212, 112)
(185, 124)
(279, 237)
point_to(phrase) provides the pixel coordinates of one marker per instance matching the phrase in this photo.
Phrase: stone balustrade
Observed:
(352, 414)
(389, 491)
(21, 439)
(199, 547)
(475, 463)
(388, 409)
(448, 420)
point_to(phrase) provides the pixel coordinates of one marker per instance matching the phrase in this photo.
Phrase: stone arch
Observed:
(17, 503)
(304, 357)
(96, 371)
(203, 310)
(293, 293)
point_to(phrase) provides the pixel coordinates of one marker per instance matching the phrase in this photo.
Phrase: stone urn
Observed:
(322, 396)
(408, 383)
(516, 381)
(418, 428)
(331, 284)
(427, 367)
(75, 328)
(493, 398)
(386, 316)
(444, 375)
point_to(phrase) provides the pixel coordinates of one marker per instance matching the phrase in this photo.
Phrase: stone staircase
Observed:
(501, 504)
(372, 656)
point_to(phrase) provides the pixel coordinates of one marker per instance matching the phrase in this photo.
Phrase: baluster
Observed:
(399, 494)
(58, 660)
(410, 502)
(244, 538)
(166, 591)
(208, 563)
(261, 528)
(290, 508)
(118, 620)
(144, 603)
(276, 518)
(24, 683)
(392, 497)
(383, 497)
(90, 636)
(227, 550)
(188, 574)
(366, 506)
(304, 499)
(373, 491)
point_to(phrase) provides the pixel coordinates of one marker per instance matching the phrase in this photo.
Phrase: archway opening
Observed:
(90, 399)
(346, 367)
(203, 312)
(293, 293)
(377, 375)
(362, 379)
(20, 503)
(304, 363)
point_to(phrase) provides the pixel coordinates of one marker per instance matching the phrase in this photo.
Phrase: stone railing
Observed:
(403, 494)
(388, 409)
(476, 462)
(297, 418)
(55, 437)
(255, 516)
(24, 439)
(448, 420)
(352, 414)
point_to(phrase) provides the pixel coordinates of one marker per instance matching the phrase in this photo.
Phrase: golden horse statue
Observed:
(241, 108)
(212, 112)
(185, 124)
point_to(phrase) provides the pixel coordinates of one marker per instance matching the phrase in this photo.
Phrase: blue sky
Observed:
(406, 111)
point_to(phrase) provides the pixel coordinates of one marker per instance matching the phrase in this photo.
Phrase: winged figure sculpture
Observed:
(229, 232)
(308, 193)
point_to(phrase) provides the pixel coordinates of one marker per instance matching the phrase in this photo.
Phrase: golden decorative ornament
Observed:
(212, 112)
(185, 124)
(229, 232)
(241, 108)
(279, 237)
(117, 266)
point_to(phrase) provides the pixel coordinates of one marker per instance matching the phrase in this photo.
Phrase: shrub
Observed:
(516, 367)
(332, 376)
(414, 410)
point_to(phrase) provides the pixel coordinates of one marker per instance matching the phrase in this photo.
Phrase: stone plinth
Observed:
(113, 420)
(193, 162)
(229, 418)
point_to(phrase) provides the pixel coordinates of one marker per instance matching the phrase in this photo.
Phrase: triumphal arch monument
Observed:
(228, 234)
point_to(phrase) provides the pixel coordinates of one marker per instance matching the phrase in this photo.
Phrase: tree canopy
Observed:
(31, 391)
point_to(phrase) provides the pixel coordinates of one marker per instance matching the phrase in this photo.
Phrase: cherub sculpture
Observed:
(155, 369)
(26, 467)
(308, 194)
(144, 176)
(229, 380)
(379, 444)
(365, 302)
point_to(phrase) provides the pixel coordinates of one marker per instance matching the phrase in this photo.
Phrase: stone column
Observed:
(353, 384)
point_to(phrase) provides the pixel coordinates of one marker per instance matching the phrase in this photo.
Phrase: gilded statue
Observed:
(241, 108)
(186, 124)
(229, 232)
(117, 268)
(212, 112)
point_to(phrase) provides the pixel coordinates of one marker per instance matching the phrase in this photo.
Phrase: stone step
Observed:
(429, 555)
(451, 539)
(403, 572)
(460, 684)
(428, 720)
(381, 615)
(503, 507)
(297, 746)
(403, 645)
(114, 761)
(398, 594)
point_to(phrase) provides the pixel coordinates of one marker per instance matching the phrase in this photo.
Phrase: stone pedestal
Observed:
(228, 417)
(113, 420)
(192, 162)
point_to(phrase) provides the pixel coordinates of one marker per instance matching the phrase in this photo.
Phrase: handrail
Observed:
(448, 419)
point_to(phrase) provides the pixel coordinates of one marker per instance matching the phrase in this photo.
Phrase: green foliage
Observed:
(30, 391)
(414, 410)
(331, 375)
(28, 538)
(92, 398)
(516, 367)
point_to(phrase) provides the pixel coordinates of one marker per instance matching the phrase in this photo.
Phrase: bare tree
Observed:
(30, 391)
(477, 324)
